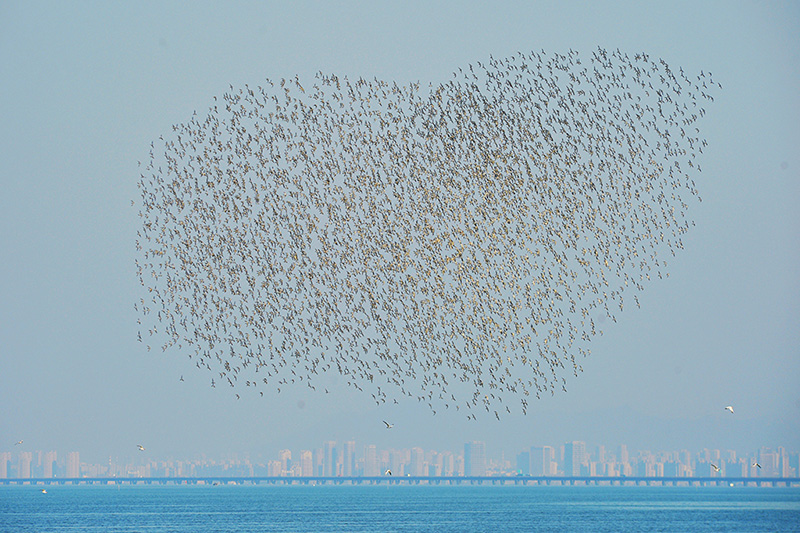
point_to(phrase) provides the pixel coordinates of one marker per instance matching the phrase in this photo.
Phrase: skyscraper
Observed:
(524, 463)
(5, 459)
(306, 463)
(371, 466)
(349, 459)
(49, 466)
(73, 465)
(574, 457)
(285, 457)
(24, 470)
(542, 460)
(329, 464)
(475, 458)
(417, 462)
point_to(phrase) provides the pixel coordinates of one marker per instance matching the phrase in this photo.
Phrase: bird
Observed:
(18, 443)
(140, 447)
(729, 408)
(756, 465)
(44, 491)
(388, 425)
(388, 472)
(181, 378)
(715, 467)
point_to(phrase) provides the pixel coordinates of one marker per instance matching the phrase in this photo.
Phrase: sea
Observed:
(327, 508)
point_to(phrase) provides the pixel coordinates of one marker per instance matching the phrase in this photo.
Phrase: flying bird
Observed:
(141, 448)
(755, 464)
(387, 473)
(729, 408)
(388, 425)
(18, 443)
(715, 467)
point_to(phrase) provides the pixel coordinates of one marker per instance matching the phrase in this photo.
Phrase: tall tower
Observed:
(574, 457)
(475, 458)
(329, 468)
(49, 466)
(73, 465)
(5, 459)
(306, 463)
(542, 460)
(349, 460)
(371, 467)
(25, 459)
(417, 461)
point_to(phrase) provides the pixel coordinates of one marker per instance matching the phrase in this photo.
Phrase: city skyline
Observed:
(348, 459)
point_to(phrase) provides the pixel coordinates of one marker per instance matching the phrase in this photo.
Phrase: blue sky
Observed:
(86, 86)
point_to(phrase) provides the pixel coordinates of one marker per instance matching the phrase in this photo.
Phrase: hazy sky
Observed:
(85, 87)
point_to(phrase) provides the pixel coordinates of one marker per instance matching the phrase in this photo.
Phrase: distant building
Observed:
(448, 464)
(24, 464)
(49, 465)
(285, 457)
(574, 457)
(274, 468)
(524, 463)
(349, 458)
(5, 462)
(329, 464)
(542, 461)
(73, 465)
(306, 463)
(475, 458)
(371, 466)
(417, 462)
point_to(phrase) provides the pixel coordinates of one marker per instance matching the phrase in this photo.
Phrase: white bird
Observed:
(755, 463)
(387, 473)
(141, 448)
(18, 443)
(729, 408)
(388, 425)
(715, 467)
(44, 491)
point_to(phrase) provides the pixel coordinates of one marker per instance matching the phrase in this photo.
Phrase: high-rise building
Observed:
(285, 457)
(49, 465)
(574, 457)
(475, 458)
(448, 464)
(396, 462)
(601, 454)
(24, 464)
(349, 458)
(319, 461)
(623, 454)
(5, 461)
(274, 468)
(542, 461)
(306, 463)
(371, 466)
(73, 465)
(417, 462)
(524, 463)
(329, 464)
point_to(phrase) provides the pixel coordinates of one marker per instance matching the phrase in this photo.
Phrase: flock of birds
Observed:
(459, 244)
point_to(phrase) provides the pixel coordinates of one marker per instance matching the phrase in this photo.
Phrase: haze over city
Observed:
(89, 86)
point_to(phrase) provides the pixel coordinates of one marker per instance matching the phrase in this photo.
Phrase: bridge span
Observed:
(417, 480)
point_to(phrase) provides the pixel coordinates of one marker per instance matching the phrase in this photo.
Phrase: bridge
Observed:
(416, 480)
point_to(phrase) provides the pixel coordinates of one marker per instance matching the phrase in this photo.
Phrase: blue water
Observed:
(397, 508)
